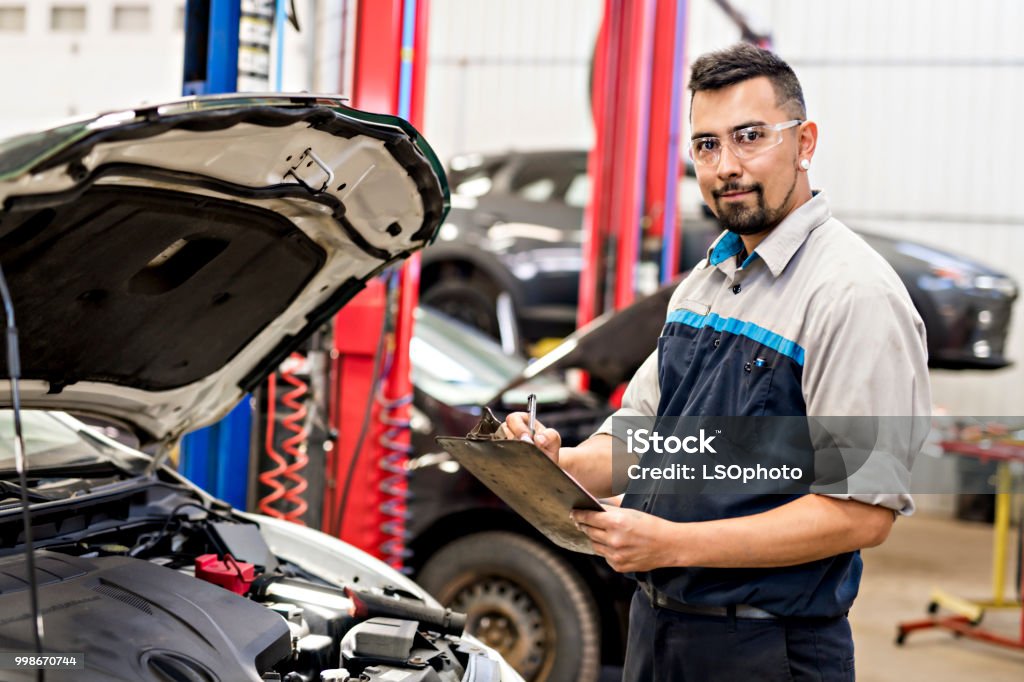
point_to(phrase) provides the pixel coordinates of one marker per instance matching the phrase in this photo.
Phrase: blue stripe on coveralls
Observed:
(763, 336)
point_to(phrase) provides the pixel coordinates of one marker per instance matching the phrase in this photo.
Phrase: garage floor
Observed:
(921, 553)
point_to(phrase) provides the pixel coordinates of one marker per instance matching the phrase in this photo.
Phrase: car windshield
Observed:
(457, 364)
(49, 442)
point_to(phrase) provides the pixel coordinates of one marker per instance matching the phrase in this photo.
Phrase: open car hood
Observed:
(164, 260)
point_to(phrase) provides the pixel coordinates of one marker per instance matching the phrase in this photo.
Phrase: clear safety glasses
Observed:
(744, 143)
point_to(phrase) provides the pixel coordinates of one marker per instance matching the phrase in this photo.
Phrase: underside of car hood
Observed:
(163, 261)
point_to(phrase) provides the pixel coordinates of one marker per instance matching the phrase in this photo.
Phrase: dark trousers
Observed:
(668, 646)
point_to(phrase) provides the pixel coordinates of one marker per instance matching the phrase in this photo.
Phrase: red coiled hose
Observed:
(294, 446)
(395, 487)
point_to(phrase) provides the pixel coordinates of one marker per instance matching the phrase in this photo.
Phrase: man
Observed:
(790, 314)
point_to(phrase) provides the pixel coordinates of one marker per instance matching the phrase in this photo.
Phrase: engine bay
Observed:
(150, 581)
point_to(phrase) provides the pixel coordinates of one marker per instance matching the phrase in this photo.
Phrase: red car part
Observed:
(230, 574)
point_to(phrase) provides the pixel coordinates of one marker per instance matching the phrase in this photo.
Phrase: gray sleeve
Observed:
(870, 363)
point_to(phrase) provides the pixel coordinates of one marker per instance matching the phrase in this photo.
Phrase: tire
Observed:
(473, 300)
(523, 600)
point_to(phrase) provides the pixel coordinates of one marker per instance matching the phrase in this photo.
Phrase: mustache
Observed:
(731, 187)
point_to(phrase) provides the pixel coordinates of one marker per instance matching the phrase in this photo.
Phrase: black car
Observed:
(552, 614)
(508, 258)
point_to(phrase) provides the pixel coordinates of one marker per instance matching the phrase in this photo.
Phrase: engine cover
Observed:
(134, 620)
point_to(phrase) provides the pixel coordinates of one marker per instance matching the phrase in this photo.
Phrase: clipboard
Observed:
(526, 480)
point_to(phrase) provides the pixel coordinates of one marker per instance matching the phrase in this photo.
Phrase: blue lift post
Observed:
(217, 458)
(211, 46)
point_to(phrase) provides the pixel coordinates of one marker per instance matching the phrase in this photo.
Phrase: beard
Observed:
(743, 219)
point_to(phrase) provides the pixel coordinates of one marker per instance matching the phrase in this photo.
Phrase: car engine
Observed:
(155, 583)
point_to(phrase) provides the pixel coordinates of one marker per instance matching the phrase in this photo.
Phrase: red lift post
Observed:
(665, 134)
(616, 164)
(634, 163)
(389, 77)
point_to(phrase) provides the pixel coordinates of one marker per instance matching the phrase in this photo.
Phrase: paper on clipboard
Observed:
(526, 480)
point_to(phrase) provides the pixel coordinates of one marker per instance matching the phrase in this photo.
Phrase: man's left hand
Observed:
(628, 539)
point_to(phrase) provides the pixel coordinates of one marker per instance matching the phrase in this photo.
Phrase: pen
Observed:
(531, 406)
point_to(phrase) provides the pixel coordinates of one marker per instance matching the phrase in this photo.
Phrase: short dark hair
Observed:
(743, 61)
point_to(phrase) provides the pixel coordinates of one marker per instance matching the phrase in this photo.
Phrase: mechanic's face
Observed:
(748, 195)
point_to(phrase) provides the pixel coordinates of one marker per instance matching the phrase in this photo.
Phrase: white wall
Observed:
(48, 76)
(509, 73)
(910, 94)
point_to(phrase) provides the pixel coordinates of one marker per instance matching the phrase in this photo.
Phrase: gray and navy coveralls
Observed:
(813, 322)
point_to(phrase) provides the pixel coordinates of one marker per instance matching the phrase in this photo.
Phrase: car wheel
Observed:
(478, 302)
(523, 600)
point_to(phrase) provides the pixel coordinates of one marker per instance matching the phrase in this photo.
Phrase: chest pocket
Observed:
(714, 373)
(745, 378)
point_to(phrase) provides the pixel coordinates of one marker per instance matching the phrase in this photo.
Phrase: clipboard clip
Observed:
(486, 428)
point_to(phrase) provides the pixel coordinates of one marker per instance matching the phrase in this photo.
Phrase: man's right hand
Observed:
(590, 462)
(517, 427)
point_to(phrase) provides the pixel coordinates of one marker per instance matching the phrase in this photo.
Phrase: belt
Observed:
(662, 600)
